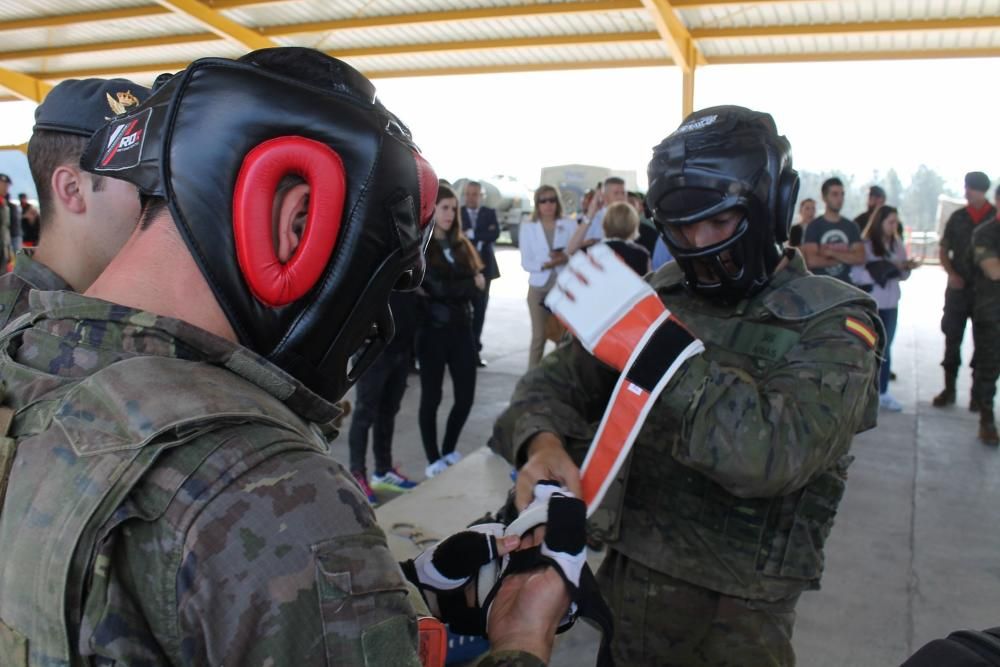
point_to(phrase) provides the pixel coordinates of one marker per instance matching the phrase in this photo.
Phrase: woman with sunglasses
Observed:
(453, 278)
(543, 253)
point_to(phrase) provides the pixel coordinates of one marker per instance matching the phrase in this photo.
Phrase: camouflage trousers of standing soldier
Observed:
(957, 311)
(665, 622)
(986, 336)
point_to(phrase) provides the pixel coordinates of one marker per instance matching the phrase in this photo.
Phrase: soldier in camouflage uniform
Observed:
(735, 477)
(171, 500)
(956, 258)
(85, 218)
(986, 323)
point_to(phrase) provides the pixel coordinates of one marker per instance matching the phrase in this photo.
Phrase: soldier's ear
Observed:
(292, 210)
(66, 184)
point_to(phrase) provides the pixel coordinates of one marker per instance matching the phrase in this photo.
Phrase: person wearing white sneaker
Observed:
(453, 458)
(887, 402)
(436, 468)
(886, 264)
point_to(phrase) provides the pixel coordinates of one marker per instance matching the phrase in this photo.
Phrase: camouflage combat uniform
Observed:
(735, 478)
(171, 503)
(986, 323)
(956, 240)
(28, 274)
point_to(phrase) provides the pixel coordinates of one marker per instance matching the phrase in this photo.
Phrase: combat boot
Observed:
(988, 429)
(946, 397)
(974, 405)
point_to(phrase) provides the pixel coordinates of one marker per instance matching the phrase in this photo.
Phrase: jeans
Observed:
(889, 317)
(379, 394)
(438, 347)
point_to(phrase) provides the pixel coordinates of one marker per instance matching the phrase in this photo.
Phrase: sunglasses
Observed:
(549, 200)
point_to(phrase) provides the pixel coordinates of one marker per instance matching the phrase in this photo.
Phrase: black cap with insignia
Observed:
(81, 106)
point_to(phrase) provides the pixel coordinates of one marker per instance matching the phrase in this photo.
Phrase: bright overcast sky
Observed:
(855, 117)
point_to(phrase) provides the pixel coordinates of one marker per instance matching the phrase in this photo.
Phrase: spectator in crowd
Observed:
(29, 221)
(886, 265)
(480, 225)
(876, 200)
(10, 227)
(986, 323)
(614, 191)
(380, 391)
(621, 226)
(649, 237)
(832, 243)
(582, 215)
(83, 219)
(451, 285)
(543, 253)
(807, 212)
(955, 253)
(14, 211)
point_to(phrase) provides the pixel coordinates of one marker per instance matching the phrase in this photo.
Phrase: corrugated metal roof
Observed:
(53, 39)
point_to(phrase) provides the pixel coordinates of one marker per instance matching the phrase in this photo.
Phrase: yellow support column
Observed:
(687, 105)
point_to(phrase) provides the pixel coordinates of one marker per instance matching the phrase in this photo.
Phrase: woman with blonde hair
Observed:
(445, 339)
(543, 253)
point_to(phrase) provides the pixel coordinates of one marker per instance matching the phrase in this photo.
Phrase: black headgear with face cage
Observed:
(720, 159)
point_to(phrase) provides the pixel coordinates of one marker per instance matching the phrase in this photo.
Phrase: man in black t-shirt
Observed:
(832, 243)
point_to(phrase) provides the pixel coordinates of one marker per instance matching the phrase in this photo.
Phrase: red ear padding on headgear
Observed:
(428, 181)
(273, 283)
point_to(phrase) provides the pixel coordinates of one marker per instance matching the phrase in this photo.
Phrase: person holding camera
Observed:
(543, 253)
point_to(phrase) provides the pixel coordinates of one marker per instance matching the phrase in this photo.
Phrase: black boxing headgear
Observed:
(217, 139)
(724, 158)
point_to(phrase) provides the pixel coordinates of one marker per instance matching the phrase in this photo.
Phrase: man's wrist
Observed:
(539, 648)
(542, 441)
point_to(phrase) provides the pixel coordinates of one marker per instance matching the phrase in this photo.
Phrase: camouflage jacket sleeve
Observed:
(566, 394)
(510, 659)
(286, 566)
(769, 437)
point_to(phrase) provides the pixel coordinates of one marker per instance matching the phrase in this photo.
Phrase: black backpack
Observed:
(964, 648)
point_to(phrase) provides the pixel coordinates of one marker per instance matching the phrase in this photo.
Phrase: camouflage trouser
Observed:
(957, 310)
(986, 336)
(665, 622)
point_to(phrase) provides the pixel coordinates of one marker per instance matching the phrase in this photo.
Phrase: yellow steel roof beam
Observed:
(222, 26)
(53, 51)
(702, 4)
(518, 67)
(983, 22)
(493, 44)
(481, 13)
(15, 147)
(58, 20)
(678, 38)
(24, 86)
(840, 56)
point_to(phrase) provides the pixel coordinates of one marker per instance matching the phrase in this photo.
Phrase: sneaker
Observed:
(889, 403)
(393, 480)
(359, 477)
(452, 459)
(436, 468)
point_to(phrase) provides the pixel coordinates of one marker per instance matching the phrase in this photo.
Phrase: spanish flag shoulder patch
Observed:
(861, 330)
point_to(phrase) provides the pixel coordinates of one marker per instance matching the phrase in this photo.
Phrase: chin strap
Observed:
(619, 319)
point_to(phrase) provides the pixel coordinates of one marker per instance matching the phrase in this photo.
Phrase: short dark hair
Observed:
(807, 200)
(829, 183)
(614, 180)
(47, 151)
(473, 184)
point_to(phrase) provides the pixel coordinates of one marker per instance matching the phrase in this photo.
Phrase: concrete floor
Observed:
(915, 552)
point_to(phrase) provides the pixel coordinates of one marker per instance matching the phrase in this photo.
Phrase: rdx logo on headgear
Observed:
(124, 145)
